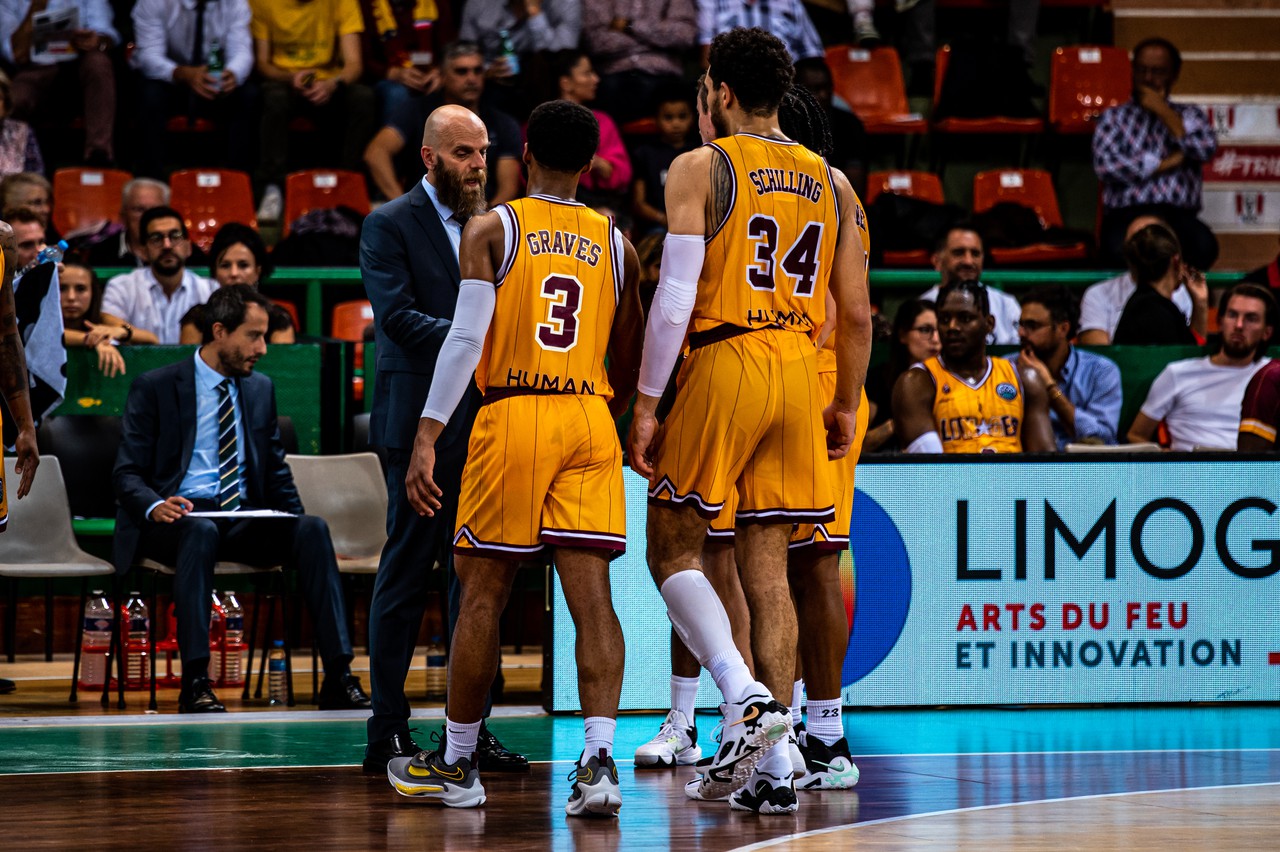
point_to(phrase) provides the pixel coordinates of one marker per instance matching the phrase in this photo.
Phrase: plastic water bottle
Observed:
(48, 254)
(276, 674)
(509, 52)
(97, 640)
(437, 669)
(234, 639)
(217, 640)
(137, 660)
(216, 62)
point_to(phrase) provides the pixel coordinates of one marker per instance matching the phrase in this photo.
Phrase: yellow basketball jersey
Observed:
(557, 291)
(981, 418)
(768, 262)
(827, 354)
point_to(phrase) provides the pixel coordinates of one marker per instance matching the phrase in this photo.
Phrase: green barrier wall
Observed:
(296, 370)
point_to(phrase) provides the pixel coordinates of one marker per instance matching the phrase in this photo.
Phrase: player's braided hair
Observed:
(976, 289)
(756, 65)
(803, 119)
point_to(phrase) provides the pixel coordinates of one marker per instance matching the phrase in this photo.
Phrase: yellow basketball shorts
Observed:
(747, 415)
(542, 469)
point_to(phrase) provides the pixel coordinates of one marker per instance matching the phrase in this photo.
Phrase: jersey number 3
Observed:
(801, 260)
(564, 296)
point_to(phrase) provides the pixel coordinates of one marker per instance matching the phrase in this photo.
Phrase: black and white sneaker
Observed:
(751, 726)
(595, 787)
(766, 793)
(831, 767)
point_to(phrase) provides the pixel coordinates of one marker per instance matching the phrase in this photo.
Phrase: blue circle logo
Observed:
(1006, 391)
(882, 584)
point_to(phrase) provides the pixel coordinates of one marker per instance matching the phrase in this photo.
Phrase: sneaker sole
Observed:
(686, 757)
(773, 727)
(605, 803)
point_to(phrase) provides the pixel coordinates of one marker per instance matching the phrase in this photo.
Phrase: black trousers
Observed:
(193, 545)
(234, 113)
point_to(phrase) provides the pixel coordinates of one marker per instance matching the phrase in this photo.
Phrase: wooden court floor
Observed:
(983, 779)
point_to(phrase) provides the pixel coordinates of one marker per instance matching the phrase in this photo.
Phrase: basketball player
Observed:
(760, 228)
(961, 400)
(548, 285)
(822, 760)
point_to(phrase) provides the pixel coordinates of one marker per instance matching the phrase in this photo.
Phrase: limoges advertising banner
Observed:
(1023, 582)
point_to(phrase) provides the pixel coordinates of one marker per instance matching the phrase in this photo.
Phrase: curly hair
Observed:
(756, 65)
(1061, 303)
(803, 119)
(563, 136)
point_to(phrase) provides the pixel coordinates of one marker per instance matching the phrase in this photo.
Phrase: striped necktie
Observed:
(228, 455)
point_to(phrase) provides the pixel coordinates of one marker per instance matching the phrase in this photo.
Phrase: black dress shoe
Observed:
(495, 757)
(343, 693)
(7, 686)
(197, 697)
(378, 754)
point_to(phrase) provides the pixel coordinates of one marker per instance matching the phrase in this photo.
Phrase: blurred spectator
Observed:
(648, 191)
(81, 293)
(605, 183)
(1104, 302)
(47, 74)
(848, 136)
(308, 53)
(36, 307)
(280, 326)
(517, 38)
(1200, 399)
(29, 190)
(958, 256)
(638, 46)
(649, 253)
(393, 155)
(28, 234)
(1084, 388)
(402, 41)
(1260, 411)
(122, 245)
(963, 400)
(1151, 317)
(237, 255)
(786, 19)
(19, 148)
(175, 43)
(1148, 154)
(155, 298)
(914, 341)
(1267, 276)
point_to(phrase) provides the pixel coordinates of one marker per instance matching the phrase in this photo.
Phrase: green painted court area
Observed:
(265, 739)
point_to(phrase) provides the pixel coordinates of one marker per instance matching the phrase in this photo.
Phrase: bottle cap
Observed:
(279, 643)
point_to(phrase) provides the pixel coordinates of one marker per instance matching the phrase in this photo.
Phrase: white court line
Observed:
(765, 844)
(255, 716)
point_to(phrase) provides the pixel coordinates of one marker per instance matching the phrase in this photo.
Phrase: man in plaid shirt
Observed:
(1148, 154)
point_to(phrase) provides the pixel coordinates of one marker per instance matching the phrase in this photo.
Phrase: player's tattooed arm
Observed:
(13, 367)
(721, 196)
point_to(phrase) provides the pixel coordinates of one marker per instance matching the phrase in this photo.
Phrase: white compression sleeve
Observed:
(929, 442)
(456, 364)
(682, 256)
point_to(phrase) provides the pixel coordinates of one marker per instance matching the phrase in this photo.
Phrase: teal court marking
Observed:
(311, 738)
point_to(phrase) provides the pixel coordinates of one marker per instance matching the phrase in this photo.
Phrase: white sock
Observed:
(684, 695)
(797, 692)
(600, 730)
(777, 761)
(824, 721)
(699, 618)
(460, 740)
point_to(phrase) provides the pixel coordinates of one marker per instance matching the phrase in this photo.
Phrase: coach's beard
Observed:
(465, 200)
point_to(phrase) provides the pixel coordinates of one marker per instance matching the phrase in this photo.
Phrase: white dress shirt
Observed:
(94, 15)
(165, 34)
(138, 299)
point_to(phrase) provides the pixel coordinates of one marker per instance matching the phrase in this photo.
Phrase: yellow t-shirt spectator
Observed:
(305, 35)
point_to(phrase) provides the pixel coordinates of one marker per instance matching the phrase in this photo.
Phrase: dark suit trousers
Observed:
(193, 545)
(414, 543)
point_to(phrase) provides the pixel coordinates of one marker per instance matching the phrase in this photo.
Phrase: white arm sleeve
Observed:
(456, 365)
(929, 442)
(682, 256)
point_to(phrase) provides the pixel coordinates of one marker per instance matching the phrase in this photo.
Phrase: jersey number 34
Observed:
(801, 260)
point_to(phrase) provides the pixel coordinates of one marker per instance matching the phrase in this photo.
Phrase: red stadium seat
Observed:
(83, 197)
(1031, 188)
(292, 310)
(988, 124)
(350, 319)
(320, 189)
(870, 82)
(209, 199)
(922, 185)
(1083, 82)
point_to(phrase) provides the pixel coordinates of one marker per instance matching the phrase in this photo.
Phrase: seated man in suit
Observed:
(176, 459)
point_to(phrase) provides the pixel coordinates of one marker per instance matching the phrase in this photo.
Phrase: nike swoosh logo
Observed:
(753, 712)
(456, 775)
